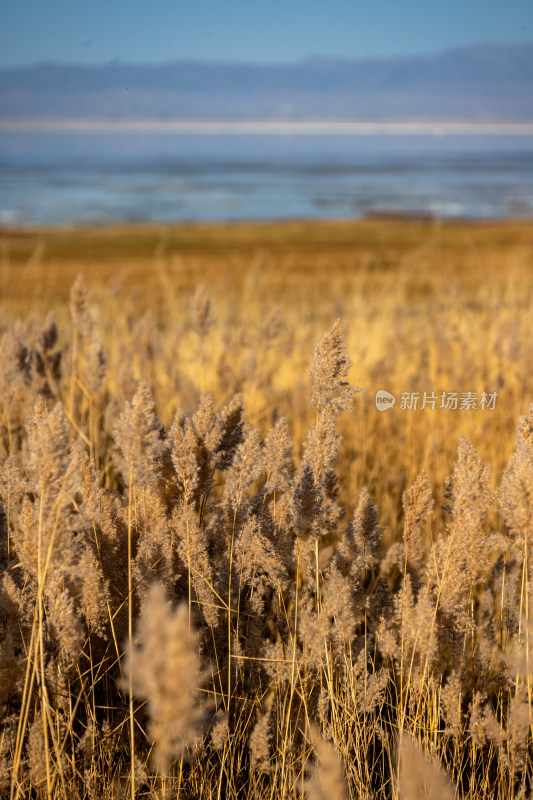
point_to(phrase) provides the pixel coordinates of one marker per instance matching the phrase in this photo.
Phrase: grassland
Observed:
(161, 432)
(426, 307)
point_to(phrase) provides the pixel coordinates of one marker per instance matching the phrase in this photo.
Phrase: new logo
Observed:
(384, 400)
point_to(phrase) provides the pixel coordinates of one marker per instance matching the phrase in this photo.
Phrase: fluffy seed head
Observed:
(330, 366)
(326, 779)
(165, 670)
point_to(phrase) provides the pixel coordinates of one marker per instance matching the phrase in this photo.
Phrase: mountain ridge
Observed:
(482, 82)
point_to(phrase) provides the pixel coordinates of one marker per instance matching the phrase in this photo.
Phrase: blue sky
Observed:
(98, 31)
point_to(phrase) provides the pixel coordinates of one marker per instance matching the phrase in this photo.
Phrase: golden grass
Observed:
(426, 306)
(371, 631)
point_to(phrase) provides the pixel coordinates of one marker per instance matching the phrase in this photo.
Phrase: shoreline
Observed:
(385, 217)
(375, 219)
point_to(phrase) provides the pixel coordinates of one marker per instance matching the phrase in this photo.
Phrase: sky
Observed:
(267, 31)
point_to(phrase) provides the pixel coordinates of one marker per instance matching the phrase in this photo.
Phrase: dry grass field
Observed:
(225, 573)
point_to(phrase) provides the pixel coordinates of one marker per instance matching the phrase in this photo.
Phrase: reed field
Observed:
(225, 571)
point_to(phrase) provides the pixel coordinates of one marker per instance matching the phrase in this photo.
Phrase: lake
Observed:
(99, 177)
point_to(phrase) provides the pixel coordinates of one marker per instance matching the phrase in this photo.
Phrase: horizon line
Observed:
(270, 126)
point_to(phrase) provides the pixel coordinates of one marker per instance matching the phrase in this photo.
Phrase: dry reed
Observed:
(189, 596)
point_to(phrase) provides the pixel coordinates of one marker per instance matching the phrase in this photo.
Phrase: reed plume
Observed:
(286, 569)
(164, 670)
(326, 780)
(329, 369)
(420, 779)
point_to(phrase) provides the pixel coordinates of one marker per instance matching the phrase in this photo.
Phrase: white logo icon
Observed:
(384, 400)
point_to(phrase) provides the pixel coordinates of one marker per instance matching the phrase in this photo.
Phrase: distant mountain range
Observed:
(482, 83)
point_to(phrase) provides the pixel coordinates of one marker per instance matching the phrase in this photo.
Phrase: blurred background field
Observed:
(427, 307)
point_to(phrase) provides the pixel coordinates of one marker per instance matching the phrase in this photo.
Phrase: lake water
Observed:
(86, 178)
